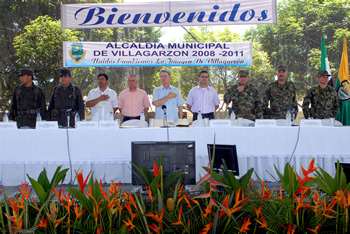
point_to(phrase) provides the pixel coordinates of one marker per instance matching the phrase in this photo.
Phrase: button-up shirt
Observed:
(172, 104)
(102, 110)
(133, 103)
(203, 99)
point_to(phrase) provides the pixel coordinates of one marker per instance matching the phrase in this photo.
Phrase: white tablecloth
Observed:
(107, 152)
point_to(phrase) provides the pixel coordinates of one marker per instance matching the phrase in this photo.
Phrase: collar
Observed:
(107, 89)
(198, 87)
(170, 87)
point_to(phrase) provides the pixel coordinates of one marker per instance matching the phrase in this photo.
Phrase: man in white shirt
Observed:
(102, 100)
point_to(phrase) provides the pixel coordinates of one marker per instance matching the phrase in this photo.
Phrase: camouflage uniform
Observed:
(247, 103)
(281, 97)
(324, 103)
(26, 102)
(63, 99)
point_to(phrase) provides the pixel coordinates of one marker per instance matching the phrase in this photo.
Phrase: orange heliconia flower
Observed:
(24, 192)
(42, 224)
(315, 230)
(18, 221)
(36, 206)
(155, 227)
(99, 230)
(113, 188)
(129, 223)
(244, 228)
(257, 211)
(148, 189)
(76, 211)
(58, 194)
(156, 217)
(207, 228)
(207, 211)
(156, 170)
(179, 222)
(81, 181)
(263, 223)
(280, 196)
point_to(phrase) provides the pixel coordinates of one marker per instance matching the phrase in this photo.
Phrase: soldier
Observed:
(203, 98)
(27, 100)
(281, 96)
(66, 99)
(244, 97)
(323, 99)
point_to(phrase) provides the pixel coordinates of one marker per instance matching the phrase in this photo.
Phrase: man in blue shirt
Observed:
(169, 96)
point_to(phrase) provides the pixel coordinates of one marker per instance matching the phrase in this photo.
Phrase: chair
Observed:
(327, 122)
(135, 123)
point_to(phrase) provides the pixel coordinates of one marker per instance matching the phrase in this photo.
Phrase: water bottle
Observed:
(38, 117)
(6, 118)
(142, 117)
(77, 117)
(199, 118)
(288, 119)
(111, 116)
(233, 118)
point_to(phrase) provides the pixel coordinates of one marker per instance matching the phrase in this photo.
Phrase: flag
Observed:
(343, 89)
(325, 62)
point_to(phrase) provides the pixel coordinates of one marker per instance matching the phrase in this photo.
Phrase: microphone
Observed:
(164, 107)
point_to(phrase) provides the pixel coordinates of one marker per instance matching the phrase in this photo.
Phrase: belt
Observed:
(279, 109)
(27, 112)
(135, 117)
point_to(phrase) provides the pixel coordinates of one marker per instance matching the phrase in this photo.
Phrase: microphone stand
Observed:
(165, 122)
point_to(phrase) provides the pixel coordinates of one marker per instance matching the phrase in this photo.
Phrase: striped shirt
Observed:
(203, 99)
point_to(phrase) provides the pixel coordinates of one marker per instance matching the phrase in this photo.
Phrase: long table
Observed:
(107, 152)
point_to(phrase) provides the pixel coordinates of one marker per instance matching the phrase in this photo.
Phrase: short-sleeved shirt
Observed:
(171, 104)
(102, 110)
(133, 103)
(203, 99)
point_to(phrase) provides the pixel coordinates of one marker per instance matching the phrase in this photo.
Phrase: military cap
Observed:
(26, 72)
(282, 67)
(64, 72)
(243, 72)
(322, 73)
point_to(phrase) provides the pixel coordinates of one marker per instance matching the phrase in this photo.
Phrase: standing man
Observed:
(66, 99)
(203, 98)
(133, 101)
(281, 96)
(244, 97)
(27, 100)
(168, 96)
(102, 100)
(323, 99)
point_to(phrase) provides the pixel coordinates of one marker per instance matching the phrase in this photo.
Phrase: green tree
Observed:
(296, 40)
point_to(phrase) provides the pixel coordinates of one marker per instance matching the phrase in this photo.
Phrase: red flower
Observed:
(155, 169)
(81, 181)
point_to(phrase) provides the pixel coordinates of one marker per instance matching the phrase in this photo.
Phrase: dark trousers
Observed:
(126, 118)
(209, 116)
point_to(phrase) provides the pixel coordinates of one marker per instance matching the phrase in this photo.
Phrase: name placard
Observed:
(220, 123)
(46, 125)
(265, 123)
(311, 123)
(86, 124)
(109, 124)
(8, 125)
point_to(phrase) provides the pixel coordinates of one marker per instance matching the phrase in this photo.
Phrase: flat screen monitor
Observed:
(227, 152)
(178, 156)
(346, 169)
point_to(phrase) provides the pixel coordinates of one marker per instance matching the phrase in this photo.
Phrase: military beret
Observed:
(243, 72)
(282, 67)
(322, 73)
(26, 72)
(64, 72)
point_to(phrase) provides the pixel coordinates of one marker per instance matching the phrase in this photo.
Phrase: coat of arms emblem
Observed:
(77, 53)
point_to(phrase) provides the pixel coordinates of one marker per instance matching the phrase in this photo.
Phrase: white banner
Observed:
(124, 54)
(156, 14)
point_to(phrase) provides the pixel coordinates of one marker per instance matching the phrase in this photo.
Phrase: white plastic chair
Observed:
(135, 123)
(327, 122)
